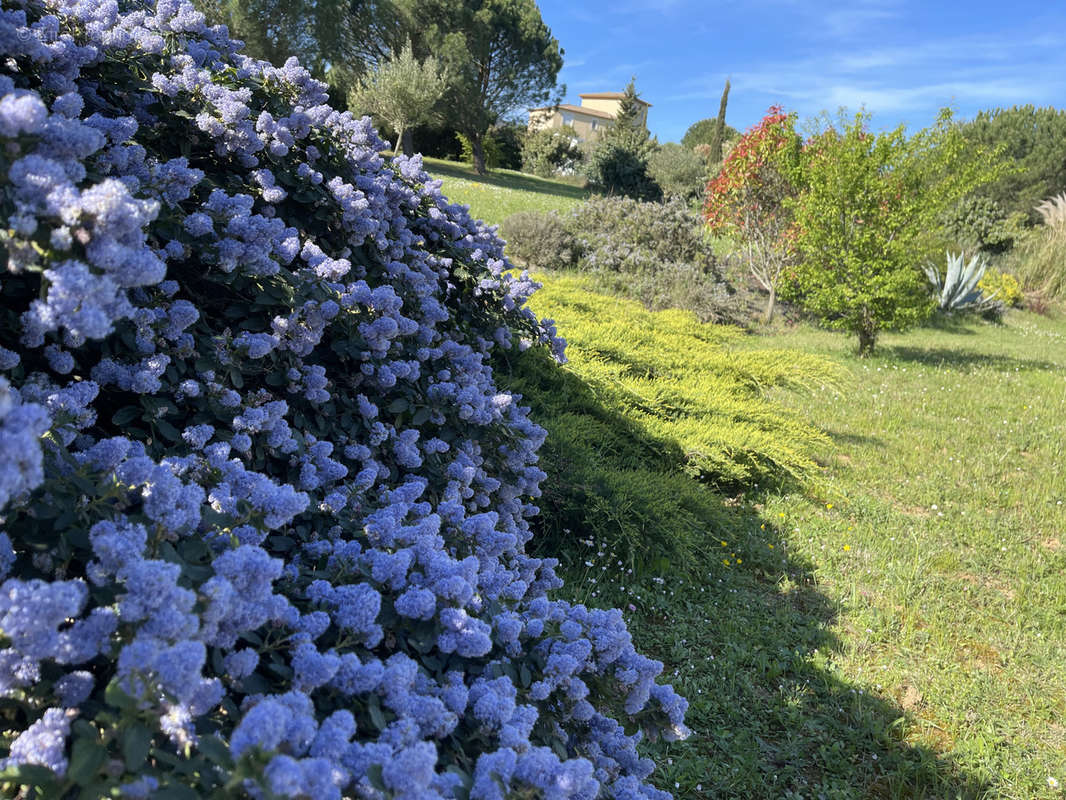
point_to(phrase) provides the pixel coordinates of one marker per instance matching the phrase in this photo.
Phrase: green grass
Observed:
(502, 192)
(898, 631)
(901, 632)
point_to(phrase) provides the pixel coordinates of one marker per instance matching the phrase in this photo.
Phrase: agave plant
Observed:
(957, 290)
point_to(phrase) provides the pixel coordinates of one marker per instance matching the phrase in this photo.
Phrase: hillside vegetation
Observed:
(892, 628)
(641, 423)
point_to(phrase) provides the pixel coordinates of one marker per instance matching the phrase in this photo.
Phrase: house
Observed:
(596, 113)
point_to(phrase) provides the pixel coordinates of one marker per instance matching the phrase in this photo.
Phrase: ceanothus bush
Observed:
(264, 508)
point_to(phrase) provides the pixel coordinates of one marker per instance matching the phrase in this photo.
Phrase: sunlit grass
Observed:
(500, 193)
(898, 633)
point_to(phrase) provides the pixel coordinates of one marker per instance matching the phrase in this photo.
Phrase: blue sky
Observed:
(901, 59)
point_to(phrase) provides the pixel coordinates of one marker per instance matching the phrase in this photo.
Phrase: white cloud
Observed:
(918, 75)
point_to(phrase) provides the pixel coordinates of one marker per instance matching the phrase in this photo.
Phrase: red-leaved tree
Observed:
(747, 199)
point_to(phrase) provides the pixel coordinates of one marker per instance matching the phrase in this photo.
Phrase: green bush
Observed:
(507, 138)
(640, 425)
(615, 169)
(620, 231)
(552, 151)
(502, 145)
(978, 223)
(651, 252)
(675, 285)
(539, 240)
(678, 171)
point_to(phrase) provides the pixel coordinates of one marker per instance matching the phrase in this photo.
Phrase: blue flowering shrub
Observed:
(264, 508)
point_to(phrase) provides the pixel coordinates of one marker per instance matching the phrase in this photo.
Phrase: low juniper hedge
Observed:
(264, 506)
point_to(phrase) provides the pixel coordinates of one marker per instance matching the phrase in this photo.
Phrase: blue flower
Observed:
(43, 743)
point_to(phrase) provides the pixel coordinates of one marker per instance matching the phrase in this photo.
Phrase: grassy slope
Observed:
(900, 633)
(947, 486)
(502, 192)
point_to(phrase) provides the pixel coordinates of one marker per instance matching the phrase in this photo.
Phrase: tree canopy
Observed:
(401, 91)
(702, 132)
(1034, 141)
(867, 219)
(500, 57)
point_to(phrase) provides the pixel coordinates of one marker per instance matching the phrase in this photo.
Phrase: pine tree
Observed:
(629, 107)
(619, 163)
(629, 130)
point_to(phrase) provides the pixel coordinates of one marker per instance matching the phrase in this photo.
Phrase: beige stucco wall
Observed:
(600, 104)
(610, 106)
(586, 127)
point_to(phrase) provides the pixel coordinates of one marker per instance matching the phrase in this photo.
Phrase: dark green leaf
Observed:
(28, 775)
(136, 741)
(125, 415)
(215, 749)
(377, 716)
(168, 430)
(373, 774)
(175, 791)
(114, 696)
(86, 758)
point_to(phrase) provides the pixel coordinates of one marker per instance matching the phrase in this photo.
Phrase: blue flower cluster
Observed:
(264, 503)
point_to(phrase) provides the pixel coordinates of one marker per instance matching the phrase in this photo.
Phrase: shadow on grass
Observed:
(507, 180)
(740, 623)
(854, 438)
(944, 357)
(952, 323)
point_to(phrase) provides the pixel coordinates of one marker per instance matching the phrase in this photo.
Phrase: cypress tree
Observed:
(719, 127)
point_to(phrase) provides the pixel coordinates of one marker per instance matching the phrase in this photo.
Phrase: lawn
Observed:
(895, 627)
(502, 192)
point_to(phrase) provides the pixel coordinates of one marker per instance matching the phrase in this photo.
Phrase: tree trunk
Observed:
(867, 337)
(771, 304)
(479, 153)
(399, 138)
(408, 142)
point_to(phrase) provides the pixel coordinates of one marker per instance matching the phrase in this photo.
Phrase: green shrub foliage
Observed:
(978, 223)
(651, 252)
(617, 169)
(678, 171)
(265, 506)
(618, 164)
(552, 151)
(1033, 143)
(649, 407)
(539, 240)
